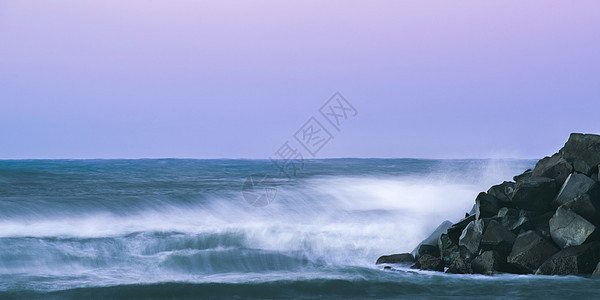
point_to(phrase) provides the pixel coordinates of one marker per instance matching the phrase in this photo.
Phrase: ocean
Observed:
(179, 228)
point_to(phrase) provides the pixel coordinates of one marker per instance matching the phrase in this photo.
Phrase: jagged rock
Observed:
(584, 207)
(489, 262)
(497, 237)
(403, 258)
(596, 174)
(581, 167)
(428, 250)
(528, 173)
(575, 186)
(529, 251)
(570, 229)
(540, 223)
(428, 262)
(460, 265)
(448, 249)
(585, 147)
(534, 193)
(554, 167)
(472, 212)
(486, 206)
(433, 238)
(503, 192)
(513, 219)
(572, 260)
(469, 241)
(456, 230)
(596, 270)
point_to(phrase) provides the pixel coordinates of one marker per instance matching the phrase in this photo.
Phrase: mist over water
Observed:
(128, 225)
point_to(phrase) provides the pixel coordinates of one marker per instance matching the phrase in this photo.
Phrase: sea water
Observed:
(156, 228)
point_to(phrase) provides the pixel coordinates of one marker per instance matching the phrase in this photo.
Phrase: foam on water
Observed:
(328, 224)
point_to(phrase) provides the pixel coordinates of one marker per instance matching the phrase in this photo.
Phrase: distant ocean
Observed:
(161, 228)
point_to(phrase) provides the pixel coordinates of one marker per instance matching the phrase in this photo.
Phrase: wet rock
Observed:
(503, 192)
(513, 219)
(460, 265)
(489, 262)
(540, 223)
(486, 206)
(554, 167)
(448, 249)
(572, 260)
(433, 238)
(596, 174)
(428, 262)
(534, 193)
(428, 250)
(584, 207)
(570, 229)
(529, 251)
(470, 239)
(403, 258)
(575, 186)
(528, 173)
(585, 147)
(596, 270)
(456, 230)
(581, 167)
(497, 237)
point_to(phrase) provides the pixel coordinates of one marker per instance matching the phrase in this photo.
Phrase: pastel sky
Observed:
(236, 79)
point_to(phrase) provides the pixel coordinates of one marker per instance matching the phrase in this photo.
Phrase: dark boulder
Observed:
(572, 260)
(585, 207)
(513, 219)
(460, 265)
(489, 262)
(456, 230)
(528, 173)
(595, 174)
(581, 167)
(540, 223)
(596, 270)
(575, 186)
(448, 249)
(403, 258)
(428, 250)
(497, 237)
(432, 239)
(585, 147)
(570, 229)
(470, 239)
(534, 193)
(503, 192)
(529, 251)
(430, 263)
(554, 167)
(486, 206)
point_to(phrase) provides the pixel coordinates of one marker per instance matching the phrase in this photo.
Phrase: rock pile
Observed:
(546, 221)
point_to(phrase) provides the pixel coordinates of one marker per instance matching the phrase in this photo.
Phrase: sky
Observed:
(238, 79)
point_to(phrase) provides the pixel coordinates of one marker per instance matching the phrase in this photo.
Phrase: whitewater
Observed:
(154, 228)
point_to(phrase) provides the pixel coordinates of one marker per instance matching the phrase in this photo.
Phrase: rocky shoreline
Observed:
(544, 222)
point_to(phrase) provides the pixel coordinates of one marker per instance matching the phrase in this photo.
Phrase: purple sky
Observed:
(437, 79)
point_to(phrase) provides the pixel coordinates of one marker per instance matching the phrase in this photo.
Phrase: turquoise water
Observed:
(160, 228)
